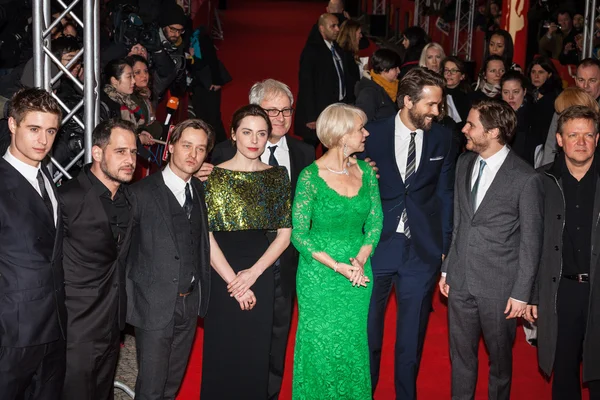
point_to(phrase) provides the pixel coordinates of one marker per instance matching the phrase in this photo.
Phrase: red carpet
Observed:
(263, 39)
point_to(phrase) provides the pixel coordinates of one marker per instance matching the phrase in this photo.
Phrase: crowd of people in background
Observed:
(411, 171)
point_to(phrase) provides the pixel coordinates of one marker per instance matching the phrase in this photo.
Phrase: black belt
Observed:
(190, 290)
(581, 278)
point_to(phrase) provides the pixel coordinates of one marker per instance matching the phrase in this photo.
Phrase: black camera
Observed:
(129, 29)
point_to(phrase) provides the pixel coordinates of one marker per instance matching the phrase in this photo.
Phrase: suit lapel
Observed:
(160, 195)
(28, 198)
(59, 222)
(294, 157)
(501, 180)
(468, 175)
(424, 152)
(391, 145)
(127, 237)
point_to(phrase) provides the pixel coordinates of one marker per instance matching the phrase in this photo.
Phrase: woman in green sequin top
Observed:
(246, 199)
(337, 221)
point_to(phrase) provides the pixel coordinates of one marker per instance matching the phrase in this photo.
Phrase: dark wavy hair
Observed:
(464, 85)
(495, 113)
(515, 76)
(194, 124)
(554, 82)
(509, 49)
(250, 110)
(414, 81)
(417, 39)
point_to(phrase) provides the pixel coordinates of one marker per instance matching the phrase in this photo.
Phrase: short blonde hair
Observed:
(432, 45)
(336, 121)
(574, 96)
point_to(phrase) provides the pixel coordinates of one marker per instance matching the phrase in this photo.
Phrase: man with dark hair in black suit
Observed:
(97, 220)
(32, 297)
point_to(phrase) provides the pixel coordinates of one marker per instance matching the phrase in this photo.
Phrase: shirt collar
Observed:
(29, 172)
(328, 44)
(402, 131)
(495, 161)
(173, 180)
(282, 144)
(100, 187)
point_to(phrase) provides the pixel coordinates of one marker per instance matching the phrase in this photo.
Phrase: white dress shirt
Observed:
(452, 111)
(401, 143)
(282, 154)
(176, 185)
(30, 173)
(492, 165)
(341, 88)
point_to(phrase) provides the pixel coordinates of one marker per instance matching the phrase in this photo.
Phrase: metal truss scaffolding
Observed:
(421, 18)
(591, 11)
(43, 24)
(463, 29)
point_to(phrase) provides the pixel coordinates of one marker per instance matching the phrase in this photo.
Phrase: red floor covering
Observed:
(263, 39)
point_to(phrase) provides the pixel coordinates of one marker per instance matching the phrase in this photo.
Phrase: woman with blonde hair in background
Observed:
(571, 96)
(432, 56)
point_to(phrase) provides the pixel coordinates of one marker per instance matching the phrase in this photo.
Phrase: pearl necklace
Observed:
(344, 171)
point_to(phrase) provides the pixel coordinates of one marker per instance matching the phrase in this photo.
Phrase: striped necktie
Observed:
(410, 171)
(476, 186)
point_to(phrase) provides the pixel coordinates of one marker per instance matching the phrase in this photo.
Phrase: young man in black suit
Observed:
(168, 279)
(32, 297)
(97, 219)
(276, 99)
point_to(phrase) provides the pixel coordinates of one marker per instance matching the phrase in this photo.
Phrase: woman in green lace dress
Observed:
(337, 221)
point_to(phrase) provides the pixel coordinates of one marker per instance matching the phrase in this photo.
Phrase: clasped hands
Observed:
(239, 288)
(355, 272)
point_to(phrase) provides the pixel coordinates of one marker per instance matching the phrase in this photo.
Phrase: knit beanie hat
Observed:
(172, 14)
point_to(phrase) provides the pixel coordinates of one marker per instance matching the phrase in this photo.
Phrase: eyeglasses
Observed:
(273, 112)
(453, 71)
(175, 30)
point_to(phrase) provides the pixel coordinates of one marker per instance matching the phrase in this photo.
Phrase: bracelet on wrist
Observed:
(335, 266)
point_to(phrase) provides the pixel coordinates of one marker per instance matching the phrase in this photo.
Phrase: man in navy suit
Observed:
(416, 159)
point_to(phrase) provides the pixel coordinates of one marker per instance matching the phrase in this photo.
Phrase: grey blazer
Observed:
(495, 251)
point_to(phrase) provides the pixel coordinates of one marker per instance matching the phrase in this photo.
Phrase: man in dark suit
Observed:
(277, 100)
(337, 8)
(168, 278)
(416, 158)
(567, 296)
(492, 263)
(32, 297)
(323, 78)
(97, 233)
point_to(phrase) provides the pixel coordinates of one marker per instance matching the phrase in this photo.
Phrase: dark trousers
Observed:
(32, 373)
(91, 368)
(468, 317)
(163, 354)
(395, 263)
(206, 105)
(572, 312)
(282, 319)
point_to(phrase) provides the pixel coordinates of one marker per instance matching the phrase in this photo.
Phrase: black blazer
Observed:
(94, 270)
(153, 262)
(318, 84)
(32, 296)
(301, 156)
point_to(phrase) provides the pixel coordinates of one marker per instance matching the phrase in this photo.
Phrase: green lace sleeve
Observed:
(374, 222)
(302, 214)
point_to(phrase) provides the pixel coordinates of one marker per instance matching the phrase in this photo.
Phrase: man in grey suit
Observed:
(495, 250)
(168, 280)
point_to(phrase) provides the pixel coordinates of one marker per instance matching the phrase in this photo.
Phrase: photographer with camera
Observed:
(169, 59)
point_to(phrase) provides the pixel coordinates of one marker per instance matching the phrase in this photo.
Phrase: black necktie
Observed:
(45, 197)
(187, 204)
(340, 71)
(272, 159)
